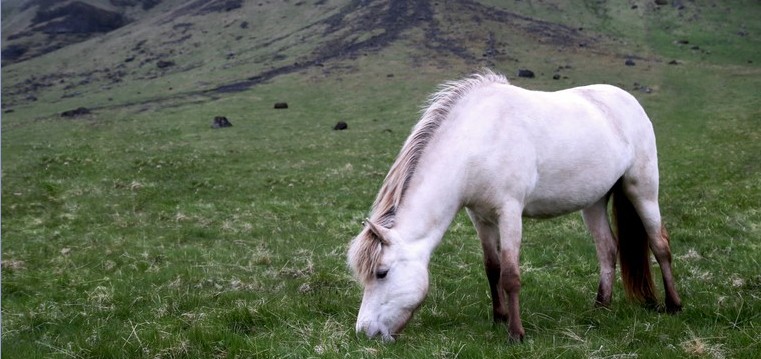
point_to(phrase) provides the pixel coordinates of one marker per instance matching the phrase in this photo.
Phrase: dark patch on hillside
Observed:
(205, 7)
(387, 19)
(390, 19)
(77, 18)
(62, 23)
(144, 4)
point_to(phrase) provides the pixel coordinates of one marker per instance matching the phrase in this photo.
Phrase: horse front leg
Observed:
(510, 228)
(596, 219)
(488, 233)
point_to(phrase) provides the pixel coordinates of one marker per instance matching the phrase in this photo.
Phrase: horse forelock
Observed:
(364, 255)
(366, 250)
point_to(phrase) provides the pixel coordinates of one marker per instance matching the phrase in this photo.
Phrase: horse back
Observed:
(555, 152)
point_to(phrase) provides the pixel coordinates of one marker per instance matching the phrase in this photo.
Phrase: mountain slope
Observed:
(176, 49)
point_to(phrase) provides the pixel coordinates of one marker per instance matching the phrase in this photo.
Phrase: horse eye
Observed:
(380, 274)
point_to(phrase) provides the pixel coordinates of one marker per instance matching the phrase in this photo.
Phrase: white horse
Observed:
(504, 152)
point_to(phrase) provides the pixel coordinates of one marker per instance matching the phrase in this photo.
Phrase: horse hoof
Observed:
(673, 308)
(602, 305)
(515, 337)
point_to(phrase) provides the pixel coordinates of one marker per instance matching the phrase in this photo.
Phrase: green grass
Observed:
(138, 231)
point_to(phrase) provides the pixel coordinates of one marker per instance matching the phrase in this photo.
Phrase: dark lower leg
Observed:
(511, 283)
(497, 294)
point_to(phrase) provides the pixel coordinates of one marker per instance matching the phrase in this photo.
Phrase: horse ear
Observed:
(381, 232)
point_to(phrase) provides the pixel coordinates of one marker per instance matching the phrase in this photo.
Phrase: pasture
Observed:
(139, 231)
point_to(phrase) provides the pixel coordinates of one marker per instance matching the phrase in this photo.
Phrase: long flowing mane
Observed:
(365, 250)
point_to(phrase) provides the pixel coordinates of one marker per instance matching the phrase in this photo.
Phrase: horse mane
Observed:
(365, 250)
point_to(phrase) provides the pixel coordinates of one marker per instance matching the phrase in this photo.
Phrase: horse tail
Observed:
(633, 248)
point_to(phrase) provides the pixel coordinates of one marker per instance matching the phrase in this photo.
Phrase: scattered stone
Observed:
(13, 264)
(340, 126)
(281, 105)
(673, 62)
(556, 77)
(629, 62)
(661, 2)
(220, 122)
(244, 25)
(10, 110)
(642, 88)
(683, 42)
(390, 75)
(76, 112)
(526, 73)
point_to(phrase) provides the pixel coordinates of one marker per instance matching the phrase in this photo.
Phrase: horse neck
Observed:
(430, 203)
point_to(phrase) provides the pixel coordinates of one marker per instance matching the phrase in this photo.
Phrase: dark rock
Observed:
(526, 73)
(629, 62)
(220, 122)
(340, 126)
(673, 62)
(281, 105)
(162, 64)
(10, 110)
(76, 112)
(661, 2)
(683, 42)
(556, 77)
(244, 25)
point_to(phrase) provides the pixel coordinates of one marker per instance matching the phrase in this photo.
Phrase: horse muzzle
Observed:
(375, 329)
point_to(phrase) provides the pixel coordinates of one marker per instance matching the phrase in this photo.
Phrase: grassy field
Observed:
(139, 231)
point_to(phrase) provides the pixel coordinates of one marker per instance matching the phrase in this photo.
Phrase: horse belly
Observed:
(572, 184)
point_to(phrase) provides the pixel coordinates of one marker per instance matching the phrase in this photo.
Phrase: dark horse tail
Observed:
(633, 248)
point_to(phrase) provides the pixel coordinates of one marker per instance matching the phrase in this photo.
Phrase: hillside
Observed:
(176, 50)
(133, 228)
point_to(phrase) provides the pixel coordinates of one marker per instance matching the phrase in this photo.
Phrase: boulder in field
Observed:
(220, 122)
(526, 73)
(341, 126)
(281, 105)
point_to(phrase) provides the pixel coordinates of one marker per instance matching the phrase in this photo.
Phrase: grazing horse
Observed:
(504, 153)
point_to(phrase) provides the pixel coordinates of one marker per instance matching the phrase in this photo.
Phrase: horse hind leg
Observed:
(645, 201)
(673, 302)
(488, 233)
(596, 220)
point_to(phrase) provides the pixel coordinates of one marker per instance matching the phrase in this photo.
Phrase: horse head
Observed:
(395, 280)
